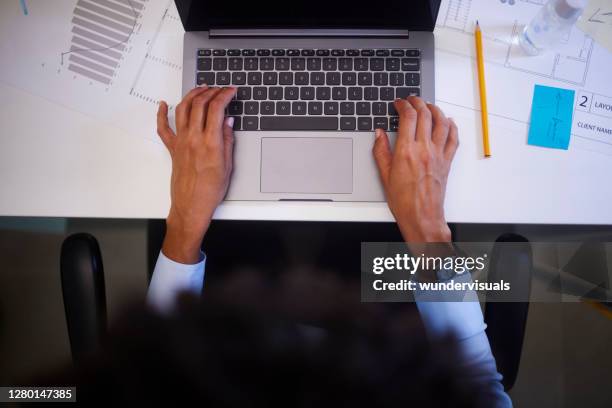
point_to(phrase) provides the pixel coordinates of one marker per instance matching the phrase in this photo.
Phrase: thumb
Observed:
(228, 142)
(382, 155)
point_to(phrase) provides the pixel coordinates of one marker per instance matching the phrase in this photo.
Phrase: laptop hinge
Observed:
(308, 33)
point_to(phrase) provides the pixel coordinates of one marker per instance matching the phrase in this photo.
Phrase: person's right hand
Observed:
(414, 175)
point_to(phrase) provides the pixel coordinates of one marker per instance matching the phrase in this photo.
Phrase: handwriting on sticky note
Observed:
(551, 117)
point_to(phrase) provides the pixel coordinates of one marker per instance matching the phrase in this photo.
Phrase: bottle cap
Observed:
(570, 9)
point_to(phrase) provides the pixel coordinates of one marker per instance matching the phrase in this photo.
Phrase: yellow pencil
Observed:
(483, 92)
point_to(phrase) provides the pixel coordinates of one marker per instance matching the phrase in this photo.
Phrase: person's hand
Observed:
(414, 175)
(201, 152)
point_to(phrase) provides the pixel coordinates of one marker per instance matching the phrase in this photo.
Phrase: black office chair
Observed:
(82, 276)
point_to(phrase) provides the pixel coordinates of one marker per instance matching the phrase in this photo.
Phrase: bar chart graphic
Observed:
(101, 34)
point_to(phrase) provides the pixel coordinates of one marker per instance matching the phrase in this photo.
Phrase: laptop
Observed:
(314, 79)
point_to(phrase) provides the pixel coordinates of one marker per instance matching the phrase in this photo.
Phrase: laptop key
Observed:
(331, 108)
(396, 79)
(285, 78)
(237, 122)
(349, 78)
(235, 64)
(315, 108)
(367, 53)
(347, 108)
(220, 64)
(260, 93)
(270, 78)
(233, 53)
(364, 123)
(275, 93)
(317, 78)
(338, 93)
(292, 93)
(254, 78)
(251, 64)
(223, 78)
(219, 53)
(298, 123)
(347, 123)
(332, 78)
(283, 108)
(313, 64)
(243, 93)
(397, 53)
(381, 79)
(413, 53)
(381, 122)
(266, 64)
(377, 64)
(364, 78)
(391, 109)
(308, 53)
(235, 108)
(387, 94)
(204, 64)
(393, 123)
(278, 53)
(293, 53)
(250, 123)
(323, 93)
(370, 93)
(263, 53)
(405, 92)
(382, 53)
(379, 108)
(307, 93)
(282, 64)
(330, 64)
(410, 64)
(337, 53)
(251, 108)
(205, 78)
(361, 64)
(322, 53)
(345, 64)
(248, 53)
(392, 64)
(204, 53)
(301, 78)
(413, 79)
(267, 108)
(352, 53)
(298, 64)
(355, 93)
(238, 78)
(362, 108)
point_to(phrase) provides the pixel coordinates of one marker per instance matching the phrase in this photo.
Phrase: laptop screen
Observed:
(201, 15)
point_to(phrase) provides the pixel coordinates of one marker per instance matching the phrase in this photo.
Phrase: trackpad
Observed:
(310, 165)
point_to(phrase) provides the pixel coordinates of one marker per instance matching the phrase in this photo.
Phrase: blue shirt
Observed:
(464, 319)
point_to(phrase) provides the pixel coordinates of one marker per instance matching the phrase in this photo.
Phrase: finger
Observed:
(228, 143)
(382, 155)
(441, 126)
(183, 109)
(407, 123)
(163, 127)
(452, 142)
(423, 131)
(199, 107)
(216, 111)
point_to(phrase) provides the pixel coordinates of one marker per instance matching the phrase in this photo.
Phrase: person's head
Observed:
(305, 342)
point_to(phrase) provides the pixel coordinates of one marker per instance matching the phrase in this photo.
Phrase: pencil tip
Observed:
(477, 22)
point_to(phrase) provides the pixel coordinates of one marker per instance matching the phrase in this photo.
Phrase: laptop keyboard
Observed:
(313, 89)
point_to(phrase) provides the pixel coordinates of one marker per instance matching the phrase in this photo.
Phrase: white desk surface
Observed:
(66, 160)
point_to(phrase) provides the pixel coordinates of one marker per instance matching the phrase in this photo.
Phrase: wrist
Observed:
(425, 231)
(183, 241)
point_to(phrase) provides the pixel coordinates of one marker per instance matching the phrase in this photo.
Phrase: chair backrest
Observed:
(506, 319)
(82, 276)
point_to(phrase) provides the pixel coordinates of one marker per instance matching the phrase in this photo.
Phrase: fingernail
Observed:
(378, 133)
(230, 121)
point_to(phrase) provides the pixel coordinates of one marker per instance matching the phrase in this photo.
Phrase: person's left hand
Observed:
(201, 152)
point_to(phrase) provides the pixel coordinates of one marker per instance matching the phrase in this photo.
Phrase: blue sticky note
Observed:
(551, 117)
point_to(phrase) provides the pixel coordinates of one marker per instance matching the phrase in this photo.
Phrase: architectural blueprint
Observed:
(579, 64)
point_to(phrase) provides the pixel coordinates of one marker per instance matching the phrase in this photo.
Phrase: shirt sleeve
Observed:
(464, 318)
(170, 277)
